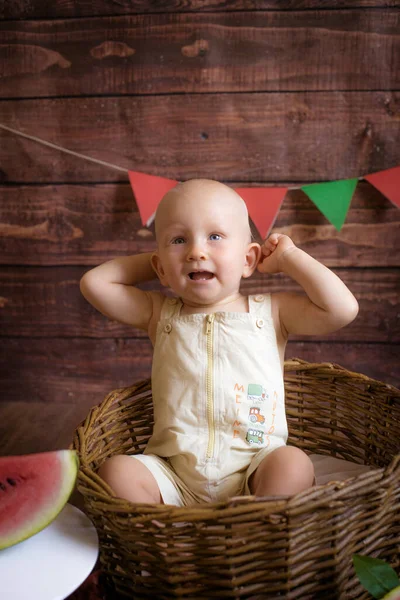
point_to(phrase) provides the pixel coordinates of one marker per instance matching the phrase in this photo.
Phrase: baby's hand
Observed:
(273, 250)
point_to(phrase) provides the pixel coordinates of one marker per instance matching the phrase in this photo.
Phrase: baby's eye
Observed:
(178, 240)
(215, 237)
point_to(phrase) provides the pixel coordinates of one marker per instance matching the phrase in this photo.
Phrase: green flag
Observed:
(332, 198)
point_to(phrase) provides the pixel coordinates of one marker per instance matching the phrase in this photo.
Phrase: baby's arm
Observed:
(328, 305)
(110, 288)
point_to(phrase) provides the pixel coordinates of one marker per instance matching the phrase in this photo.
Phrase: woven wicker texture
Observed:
(299, 547)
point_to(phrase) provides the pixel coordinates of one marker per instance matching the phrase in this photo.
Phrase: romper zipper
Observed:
(210, 384)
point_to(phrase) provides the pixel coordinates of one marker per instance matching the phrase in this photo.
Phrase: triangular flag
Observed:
(263, 205)
(332, 198)
(387, 182)
(149, 190)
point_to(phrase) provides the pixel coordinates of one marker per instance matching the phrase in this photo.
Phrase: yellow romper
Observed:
(218, 400)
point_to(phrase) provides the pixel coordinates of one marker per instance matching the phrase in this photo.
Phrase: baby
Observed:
(217, 377)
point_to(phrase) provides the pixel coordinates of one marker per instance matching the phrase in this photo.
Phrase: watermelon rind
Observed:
(394, 594)
(69, 463)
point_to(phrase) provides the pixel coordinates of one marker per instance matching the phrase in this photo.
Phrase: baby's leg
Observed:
(130, 479)
(285, 471)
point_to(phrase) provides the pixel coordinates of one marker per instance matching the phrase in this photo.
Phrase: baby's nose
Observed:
(196, 252)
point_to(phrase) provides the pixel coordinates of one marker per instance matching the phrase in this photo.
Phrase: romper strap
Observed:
(170, 307)
(260, 304)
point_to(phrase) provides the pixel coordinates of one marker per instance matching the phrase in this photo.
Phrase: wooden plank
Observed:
(27, 427)
(378, 361)
(81, 372)
(47, 303)
(76, 371)
(201, 52)
(87, 225)
(35, 9)
(266, 137)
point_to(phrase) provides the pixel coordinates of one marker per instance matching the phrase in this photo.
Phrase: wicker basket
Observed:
(299, 547)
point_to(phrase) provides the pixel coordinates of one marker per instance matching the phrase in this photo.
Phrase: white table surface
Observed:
(53, 563)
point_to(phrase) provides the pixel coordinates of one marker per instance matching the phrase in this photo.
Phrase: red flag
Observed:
(263, 205)
(148, 191)
(387, 182)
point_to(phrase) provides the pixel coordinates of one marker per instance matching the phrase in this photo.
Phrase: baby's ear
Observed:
(158, 268)
(252, 258)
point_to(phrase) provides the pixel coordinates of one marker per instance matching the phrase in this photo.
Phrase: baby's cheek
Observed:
(234, 270)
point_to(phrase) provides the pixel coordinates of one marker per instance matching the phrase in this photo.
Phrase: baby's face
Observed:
(203, 240)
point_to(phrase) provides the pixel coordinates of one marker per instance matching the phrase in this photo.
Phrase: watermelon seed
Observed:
(11, 481)
(2, 487)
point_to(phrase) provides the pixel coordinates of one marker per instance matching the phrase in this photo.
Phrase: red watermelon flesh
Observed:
(33, 490)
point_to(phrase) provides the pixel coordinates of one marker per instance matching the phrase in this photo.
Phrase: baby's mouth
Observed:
(201, 275)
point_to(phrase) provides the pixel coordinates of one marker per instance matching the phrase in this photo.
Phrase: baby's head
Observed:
(204, 243)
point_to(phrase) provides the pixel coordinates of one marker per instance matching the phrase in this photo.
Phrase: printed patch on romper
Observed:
(256, 392)
(255, 415)
(254, 436)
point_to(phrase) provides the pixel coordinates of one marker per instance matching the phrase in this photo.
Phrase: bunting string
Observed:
(44, 143)
(332, 198)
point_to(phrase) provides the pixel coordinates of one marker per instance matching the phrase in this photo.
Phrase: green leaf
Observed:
(375, 575)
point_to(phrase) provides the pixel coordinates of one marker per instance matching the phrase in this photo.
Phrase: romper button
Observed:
(259, 298)
(260, 323)
(172, 301)
(168, 328)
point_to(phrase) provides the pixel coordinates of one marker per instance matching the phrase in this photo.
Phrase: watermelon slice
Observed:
(33, 490)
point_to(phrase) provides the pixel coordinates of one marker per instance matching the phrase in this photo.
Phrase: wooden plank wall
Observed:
(262, 92)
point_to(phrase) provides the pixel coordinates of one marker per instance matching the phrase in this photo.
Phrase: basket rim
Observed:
(294, 363)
